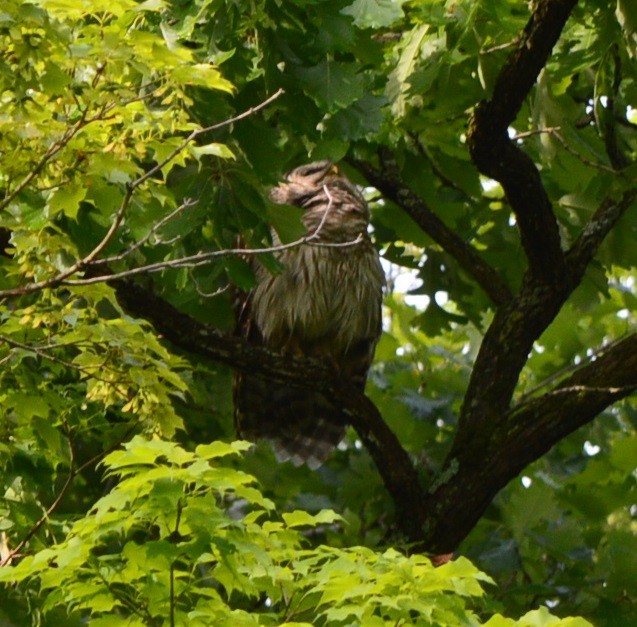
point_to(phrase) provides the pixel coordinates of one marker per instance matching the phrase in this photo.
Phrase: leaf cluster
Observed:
(185, 539)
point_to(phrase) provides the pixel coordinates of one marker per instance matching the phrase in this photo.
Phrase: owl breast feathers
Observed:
(325, 303)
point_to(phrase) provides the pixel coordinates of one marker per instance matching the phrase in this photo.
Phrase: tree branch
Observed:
(521, 321)
(74, 471)
(575, 401)
(496, 156)
(598, 227)
(91, 257)
(479, 471)
(390, 185)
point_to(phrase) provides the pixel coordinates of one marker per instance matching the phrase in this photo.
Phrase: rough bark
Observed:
(436, 517)
(393, 463)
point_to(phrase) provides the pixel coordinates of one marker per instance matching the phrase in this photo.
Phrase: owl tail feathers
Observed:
(312, 449)
(303, 427)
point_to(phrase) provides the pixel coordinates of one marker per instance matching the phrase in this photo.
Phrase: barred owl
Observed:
(325, 303)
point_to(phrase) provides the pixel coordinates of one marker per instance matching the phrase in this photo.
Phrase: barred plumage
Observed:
(326, 303)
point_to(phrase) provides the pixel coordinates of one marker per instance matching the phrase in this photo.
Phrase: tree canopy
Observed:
(496, 143)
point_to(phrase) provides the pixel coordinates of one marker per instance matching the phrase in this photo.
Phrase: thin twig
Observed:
(73, 472)
(86, 261)
(582, 158)
(330, 202)
(203, 259)
(53, 149)
(535, 131)
(49, 511)
(200, 131)
(554, 131)
(92, 371)
(41, 351)
(203, 293)
(186, 204)
(444, 179)
(566, 370)
(504, 46)
(60, 143)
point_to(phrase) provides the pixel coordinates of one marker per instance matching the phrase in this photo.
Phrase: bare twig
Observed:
(594, 164)
(444, 179)
(200, 131)
(498, 47)
(202, 259)
(203, 293)
(53, 149)
(535, 131)
(554, 131)
(36, 527)
(186, 204)
(567, 370)
(317, 232)
(42, 351)
(92, 371)
(66, 137)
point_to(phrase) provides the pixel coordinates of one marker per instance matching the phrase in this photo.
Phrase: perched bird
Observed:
(325, 303)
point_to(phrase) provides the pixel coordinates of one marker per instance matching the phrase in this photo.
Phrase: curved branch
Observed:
(546, 286)
(516, 326)
(575, 401)
(496, 156)
(389, 184)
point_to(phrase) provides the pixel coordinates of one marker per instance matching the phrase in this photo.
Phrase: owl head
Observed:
(312, 186)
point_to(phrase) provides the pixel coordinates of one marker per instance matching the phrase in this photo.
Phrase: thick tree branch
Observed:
(575, 401)
(496, 156)
(479, 470)
(440, 519)
(388, 183)
(502, 355)
(517, 325)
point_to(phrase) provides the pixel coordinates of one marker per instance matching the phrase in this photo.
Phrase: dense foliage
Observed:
(138, 140)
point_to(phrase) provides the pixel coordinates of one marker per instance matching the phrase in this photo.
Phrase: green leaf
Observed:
(374, 13)
(397, 85)
(27, 406)
(218, 449)
(332, 84)
(67, 200)
(300, 518)
(202, 75)
(286, 221)
(217, 150)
